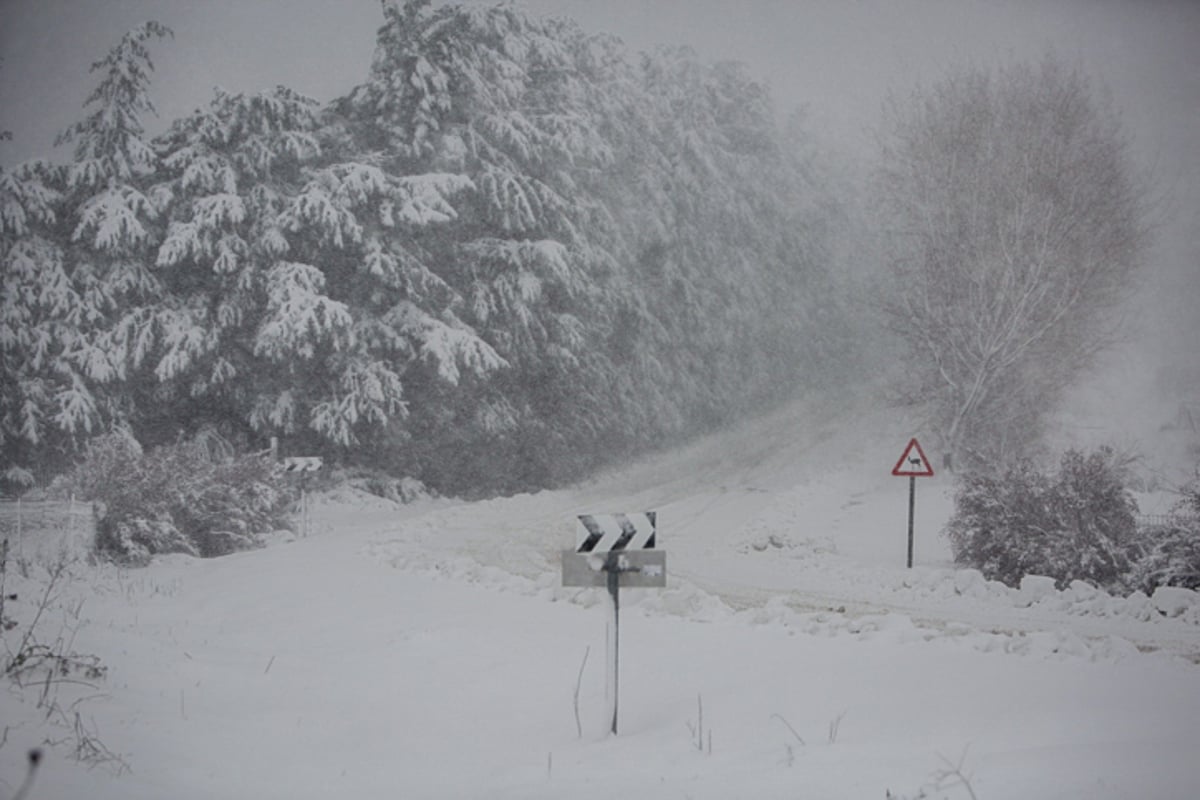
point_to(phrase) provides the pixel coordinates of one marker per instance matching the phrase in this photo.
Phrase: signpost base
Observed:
(614, 590)
(912, 506)
(612, 570)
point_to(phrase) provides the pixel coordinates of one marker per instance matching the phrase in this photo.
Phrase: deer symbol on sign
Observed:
(913, 463)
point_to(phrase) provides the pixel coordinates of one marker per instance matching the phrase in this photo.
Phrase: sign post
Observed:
(613, 571)
(615, 550)
(912, 464)
(302, 465)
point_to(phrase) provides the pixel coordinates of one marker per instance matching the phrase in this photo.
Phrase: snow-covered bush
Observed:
(398, 490)
(1171, 555)
(181, 498)
(1170, 550)
(1077, 524)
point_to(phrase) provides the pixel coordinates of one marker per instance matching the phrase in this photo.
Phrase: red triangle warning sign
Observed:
(913, 464)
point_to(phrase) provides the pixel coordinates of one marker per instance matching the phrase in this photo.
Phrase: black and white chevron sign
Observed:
(604, 533)
(302, 464)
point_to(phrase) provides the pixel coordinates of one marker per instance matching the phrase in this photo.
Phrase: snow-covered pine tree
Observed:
(625, 242)
(36, 299)
(492, 96)
(365, 227)
(114, 223)
(728, 255)
(228, 172)
(302, 297)
(511, 253)
(78, 293)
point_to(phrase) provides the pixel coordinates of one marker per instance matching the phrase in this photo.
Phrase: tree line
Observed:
(512, 252)
(516, 251)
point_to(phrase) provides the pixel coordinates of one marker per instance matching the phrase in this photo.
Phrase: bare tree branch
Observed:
(1017, 225)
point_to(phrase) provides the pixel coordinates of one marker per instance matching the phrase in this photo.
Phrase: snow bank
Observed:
(686, 600)
(1079, 599)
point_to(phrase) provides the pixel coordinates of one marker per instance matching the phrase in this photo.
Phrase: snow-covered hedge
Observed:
(1077, 524)
(182, 498)
(1170, 550)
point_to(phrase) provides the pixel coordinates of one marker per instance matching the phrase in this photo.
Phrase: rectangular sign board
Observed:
(638, 569)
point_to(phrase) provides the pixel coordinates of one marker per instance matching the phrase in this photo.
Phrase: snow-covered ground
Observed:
(430, 651)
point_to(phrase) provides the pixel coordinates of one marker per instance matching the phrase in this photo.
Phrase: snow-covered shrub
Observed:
(1077, 524)
(999, 522)
(1171, 555)
(181, 498)
(1170, 550)
(1099, 515)
(398, 490)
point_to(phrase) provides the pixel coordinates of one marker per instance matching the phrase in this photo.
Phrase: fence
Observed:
(39, 529)
(1162, 520)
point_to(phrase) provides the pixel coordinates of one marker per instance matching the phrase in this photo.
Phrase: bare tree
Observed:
(1015, 223)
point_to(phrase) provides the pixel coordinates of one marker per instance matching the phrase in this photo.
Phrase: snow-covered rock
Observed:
(1035, 588)
(1173, 601)
(970, 583)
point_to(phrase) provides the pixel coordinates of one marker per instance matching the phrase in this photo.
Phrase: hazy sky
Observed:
(837, 58)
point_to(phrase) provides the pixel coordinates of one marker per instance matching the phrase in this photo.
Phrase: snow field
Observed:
(358, 680)
(429, 651)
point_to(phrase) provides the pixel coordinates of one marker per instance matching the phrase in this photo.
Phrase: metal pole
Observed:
(614, 589)
(912, 504)
(305, 522)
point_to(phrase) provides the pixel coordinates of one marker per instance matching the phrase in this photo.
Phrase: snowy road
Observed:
(761, 516)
